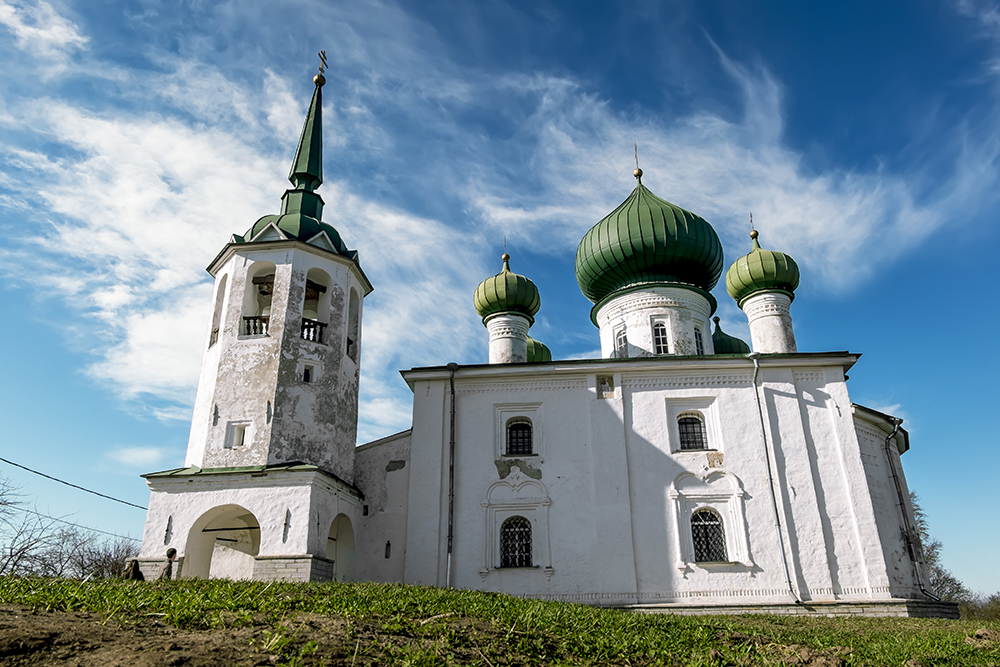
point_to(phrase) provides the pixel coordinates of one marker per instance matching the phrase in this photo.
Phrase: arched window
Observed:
(352, 325)
(515, 542)
(220, 297)
(699, 342)
(708, 537)
(519, 437)
(691, 428)
(316, 306)
(257, 299)
(621, 345)
(660, 344)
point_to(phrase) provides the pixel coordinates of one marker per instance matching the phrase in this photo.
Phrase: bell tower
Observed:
(266, 491)
(279, 379)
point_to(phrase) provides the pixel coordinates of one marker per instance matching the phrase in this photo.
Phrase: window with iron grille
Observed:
(692, 432)
(699, 342)
(709, 537)
(515, 542)
(519, 437)
(621, 345)
(660, 345)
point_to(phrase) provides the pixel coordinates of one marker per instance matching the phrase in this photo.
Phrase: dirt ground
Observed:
(81, 639)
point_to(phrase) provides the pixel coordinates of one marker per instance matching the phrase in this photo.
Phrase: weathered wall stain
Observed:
(504, 466)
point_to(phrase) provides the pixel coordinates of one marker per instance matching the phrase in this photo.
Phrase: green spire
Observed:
(307, 167)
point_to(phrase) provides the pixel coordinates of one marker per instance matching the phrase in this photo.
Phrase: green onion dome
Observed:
(507, 292)
(761, 270)
(647, 240)
(537, 351)
(726, 344)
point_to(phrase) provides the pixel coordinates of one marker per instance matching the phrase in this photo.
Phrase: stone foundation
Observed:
(894, 608)
(150, 567)
(293, 568)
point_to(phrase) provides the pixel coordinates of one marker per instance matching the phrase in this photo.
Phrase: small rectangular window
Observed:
(237, 434)
(307, 373)
(699, 343)
(660, 341)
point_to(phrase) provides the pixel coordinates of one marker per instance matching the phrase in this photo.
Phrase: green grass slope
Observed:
(366, 624)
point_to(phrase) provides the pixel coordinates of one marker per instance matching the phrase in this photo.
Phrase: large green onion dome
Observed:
(761, 270)
(507, 292)
(538, 351)
(647, 240)
(726, 344)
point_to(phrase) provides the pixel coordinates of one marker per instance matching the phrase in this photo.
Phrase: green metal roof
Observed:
(291, 466)
(647, 240)
(538, 352)
(761, 270)
(726, 344)
(301, 216)
(506, 292)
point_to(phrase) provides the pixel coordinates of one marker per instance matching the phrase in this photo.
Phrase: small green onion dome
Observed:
(507, 292)
(726, 344)
(537, 351)
(761, 270)
(647, 240)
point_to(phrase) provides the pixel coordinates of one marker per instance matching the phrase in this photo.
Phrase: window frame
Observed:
(700, 419)
(706, 407)
(659, 349)
(503, 413)
(514, 422)
(524, 525)
(720, 524)
(699, 342)
(721, 492)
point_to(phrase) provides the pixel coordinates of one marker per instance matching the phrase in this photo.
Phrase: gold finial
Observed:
(638, 172)
(319, 79)
(505, 257)
(716, 320)
(753, 232)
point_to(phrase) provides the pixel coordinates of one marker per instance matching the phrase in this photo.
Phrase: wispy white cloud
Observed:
(41, 31)
(137, 457)
(136, 203)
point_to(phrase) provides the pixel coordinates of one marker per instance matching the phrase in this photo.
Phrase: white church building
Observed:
(679, 472)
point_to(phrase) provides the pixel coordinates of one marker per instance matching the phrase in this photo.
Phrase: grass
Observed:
(417, 625)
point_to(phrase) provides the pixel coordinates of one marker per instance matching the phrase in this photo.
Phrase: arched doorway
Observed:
(222, 544)
(340, 548)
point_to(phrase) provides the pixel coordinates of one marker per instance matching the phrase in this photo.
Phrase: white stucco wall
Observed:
(382, 473)
(605, 486)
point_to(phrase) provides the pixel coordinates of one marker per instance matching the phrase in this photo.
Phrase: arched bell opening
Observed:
(223, 544)
(340, 548)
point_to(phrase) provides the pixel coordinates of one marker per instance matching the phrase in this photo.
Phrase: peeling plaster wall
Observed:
(382, 472)
(603, 474)
(259, 379)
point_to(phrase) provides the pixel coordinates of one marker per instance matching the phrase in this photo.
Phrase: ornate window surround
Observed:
(704, 407)
(503, 413)
(517, 495)
(719, 491)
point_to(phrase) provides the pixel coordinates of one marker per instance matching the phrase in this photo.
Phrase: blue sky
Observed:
(135, 137)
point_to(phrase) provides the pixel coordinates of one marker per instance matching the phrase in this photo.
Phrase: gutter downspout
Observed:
(452, 367)
(907, 531)
(755, 357)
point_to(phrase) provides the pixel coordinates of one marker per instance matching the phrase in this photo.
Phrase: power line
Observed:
(56, 479)
(69, 523)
